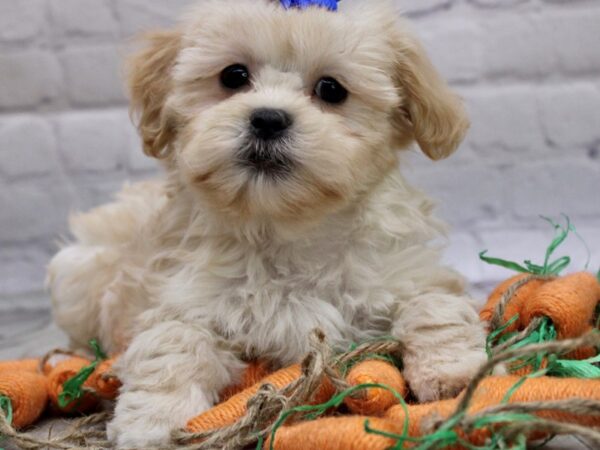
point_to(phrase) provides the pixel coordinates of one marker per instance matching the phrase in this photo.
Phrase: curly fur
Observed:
(196, 274)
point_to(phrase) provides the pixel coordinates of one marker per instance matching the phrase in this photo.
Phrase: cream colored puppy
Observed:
(282, 211)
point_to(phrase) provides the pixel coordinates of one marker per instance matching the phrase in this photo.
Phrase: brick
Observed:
(23, 269)
(28, 147)
(93, 141)
(140, 15)
(571, 115)
(92, 75)
(29, 78)
(462, 255)
(554, 187)
(575, 37)
(454, 47)
(411, 8)
(21, 20)
(34, 209)
(590, 234)
(504, 119)
(500, 3)
(465, 195)
(94, 192)
(137, 160)
(83, 17)
(517, 46)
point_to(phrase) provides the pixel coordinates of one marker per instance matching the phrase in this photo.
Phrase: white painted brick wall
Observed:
(528, 69)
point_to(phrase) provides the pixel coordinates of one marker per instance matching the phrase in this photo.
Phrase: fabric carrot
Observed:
(232, 410)
(27, 365)
(375, 400)
(583, 352)
(105, 384)
(28, 395)
(493, 390)
(61, 373)
(335, 433)
(515, 304)
(254, 372)
(570, 302)
(547, 269)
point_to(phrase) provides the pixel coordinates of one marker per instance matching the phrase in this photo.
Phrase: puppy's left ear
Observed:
(431, 113)
(149, 85)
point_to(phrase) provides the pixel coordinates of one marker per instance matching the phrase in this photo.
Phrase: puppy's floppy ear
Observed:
(434, 114)
(149, 84)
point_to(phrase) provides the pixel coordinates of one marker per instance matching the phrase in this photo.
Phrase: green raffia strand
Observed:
(548, 267)
(571, 368)
(556, 366)
(73, 387)
(497, 334)
(546, 332)
(6, 406)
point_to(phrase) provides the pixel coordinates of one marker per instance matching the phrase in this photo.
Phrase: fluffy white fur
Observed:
(215, 266)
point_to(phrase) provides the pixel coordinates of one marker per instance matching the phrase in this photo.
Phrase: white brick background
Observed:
(528, 69)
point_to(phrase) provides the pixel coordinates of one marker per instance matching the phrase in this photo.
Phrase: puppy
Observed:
(282, 211)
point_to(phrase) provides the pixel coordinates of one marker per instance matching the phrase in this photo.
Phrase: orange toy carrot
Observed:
(28, 395)
(253, 373)
(492, 391)
(27, 365)
(104, 382)
(583, 352)
(61, 373)
(335, 433)
(515, 304)
(569, 301)
(232, 410)
(376, 400)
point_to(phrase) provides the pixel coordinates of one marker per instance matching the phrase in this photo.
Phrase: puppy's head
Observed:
(287, 115)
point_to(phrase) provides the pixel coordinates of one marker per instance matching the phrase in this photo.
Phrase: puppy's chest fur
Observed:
(264, 300)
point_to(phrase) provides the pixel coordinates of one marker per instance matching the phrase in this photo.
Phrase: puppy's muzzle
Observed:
(266, 152)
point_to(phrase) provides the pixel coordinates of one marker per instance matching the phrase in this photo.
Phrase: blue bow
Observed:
(329, 4)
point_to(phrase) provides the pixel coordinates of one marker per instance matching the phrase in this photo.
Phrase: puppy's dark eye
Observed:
(330, 90)
(235, 76)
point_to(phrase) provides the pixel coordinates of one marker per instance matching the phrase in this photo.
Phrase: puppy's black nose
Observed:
(269, 123)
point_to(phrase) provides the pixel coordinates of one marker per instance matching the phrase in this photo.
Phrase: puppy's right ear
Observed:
(432, 112)
(150, 81)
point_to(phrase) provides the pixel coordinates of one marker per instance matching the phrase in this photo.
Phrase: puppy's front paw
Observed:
(147, 419)
(437, 376)
(136, 431)
(139, 434)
